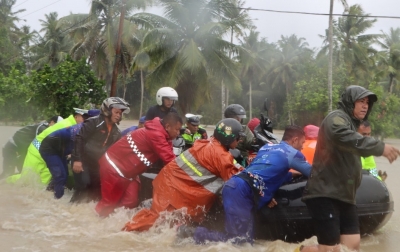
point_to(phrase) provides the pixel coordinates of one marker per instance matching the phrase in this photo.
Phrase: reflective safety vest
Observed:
(198, 173)
(368, 163)
(189, 139)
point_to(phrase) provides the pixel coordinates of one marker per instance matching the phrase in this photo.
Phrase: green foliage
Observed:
(70, 84)
(384, 116)
(309, 100)
(15, 90)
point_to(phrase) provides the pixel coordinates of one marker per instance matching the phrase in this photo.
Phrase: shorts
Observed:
(332, 218)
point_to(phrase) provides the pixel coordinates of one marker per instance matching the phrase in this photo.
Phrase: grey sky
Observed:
(270, 25)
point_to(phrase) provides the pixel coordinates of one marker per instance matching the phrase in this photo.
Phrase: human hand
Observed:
(187, 131)
(390, 152)
(77, 167)
(272, 203)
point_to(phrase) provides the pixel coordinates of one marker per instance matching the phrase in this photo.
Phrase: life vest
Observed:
(190, 138)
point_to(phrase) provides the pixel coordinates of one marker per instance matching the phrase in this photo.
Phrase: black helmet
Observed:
(228, 130)
(234, 110)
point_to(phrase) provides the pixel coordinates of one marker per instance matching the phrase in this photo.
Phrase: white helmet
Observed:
(167, 92)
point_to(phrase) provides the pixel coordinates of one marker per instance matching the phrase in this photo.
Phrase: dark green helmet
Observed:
(227, 131)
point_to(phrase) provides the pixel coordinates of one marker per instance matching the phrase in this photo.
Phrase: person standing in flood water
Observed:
(336, 172)
(94, 138)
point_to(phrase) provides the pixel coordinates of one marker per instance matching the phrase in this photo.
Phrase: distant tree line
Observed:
(208, 50)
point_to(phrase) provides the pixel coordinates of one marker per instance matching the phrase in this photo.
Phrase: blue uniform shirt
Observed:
(272, 164)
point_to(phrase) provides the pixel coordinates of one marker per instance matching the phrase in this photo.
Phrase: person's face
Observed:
(168, 102)
(140, 125)
(298, 142)
(239, 119)
(235, 143)
(79, 118)
(361, 108)
(116, 115)
(173, 129)
(193, 128)
(52, 123)
(365, 131)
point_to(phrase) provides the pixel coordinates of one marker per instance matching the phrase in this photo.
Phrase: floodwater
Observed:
(32, 220)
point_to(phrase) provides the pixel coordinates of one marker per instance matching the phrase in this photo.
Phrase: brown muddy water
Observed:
(32, 220)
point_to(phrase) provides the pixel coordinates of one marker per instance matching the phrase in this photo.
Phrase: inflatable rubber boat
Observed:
(289, 220)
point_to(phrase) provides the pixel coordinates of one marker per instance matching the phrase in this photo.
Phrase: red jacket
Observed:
(152, 142)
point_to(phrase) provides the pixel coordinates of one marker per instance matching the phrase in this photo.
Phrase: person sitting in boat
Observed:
(93, 139)
(193, 131)
(56, 149)
(33, 161)
(132, 155)
(194, 178)
(368, 163)
(14, 151)
(142, 120)
(165, 97)
(311, 133)
(254, 188)
(236, 111)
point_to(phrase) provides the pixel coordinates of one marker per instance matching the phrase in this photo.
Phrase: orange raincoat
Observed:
(192, 181)
(309, 145)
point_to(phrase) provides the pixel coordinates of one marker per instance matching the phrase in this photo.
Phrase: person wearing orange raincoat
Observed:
(194, 178)
(308, 150)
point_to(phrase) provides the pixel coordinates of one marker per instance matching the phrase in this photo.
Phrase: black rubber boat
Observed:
(290, 220)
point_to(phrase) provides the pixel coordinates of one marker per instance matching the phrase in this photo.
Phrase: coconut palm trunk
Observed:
(250, 101)
(142, 92)
(330, 64)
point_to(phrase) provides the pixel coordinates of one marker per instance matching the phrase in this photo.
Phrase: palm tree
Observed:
(237, 20)
(389, 58)
(54, 46)
(187, 51)
(356, 46)
(95, 35)
(285, 67)
(330, 38)
(10, 34)
(253, 57)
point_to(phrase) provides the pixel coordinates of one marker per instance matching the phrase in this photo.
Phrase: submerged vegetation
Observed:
(208, 50)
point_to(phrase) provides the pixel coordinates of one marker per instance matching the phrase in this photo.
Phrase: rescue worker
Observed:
(56, 149)
(254, 188)
(93, 139)
(309, 145)
(33, 161)
(142, 120)
(368, 163)
(194, 178)
(165, 97)
(336, 171)
(14, 151)
(132, 155)
(193, 131)
(237, 112)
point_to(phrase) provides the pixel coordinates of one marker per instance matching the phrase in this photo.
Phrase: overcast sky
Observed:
(270, 25)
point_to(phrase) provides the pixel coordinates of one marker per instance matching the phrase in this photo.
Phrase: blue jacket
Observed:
(272, 165)
(60, 142)
(126, 131)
